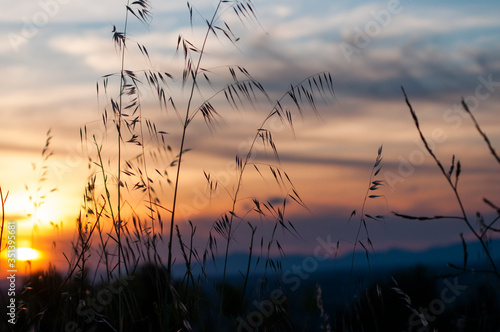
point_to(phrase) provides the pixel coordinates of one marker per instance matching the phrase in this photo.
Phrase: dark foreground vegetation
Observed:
(132, 287)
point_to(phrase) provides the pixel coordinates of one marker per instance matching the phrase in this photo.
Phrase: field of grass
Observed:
(123, 273)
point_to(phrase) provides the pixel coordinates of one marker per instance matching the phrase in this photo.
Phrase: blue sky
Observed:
(439, 51)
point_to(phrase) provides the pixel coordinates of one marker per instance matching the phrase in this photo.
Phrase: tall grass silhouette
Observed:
(123, 254)
(483, 232)
(452, 176)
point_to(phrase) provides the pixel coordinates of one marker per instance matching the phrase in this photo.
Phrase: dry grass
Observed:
(120, 271)
(127, 232)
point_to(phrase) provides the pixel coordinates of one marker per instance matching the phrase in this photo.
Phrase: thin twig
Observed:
(481, 132)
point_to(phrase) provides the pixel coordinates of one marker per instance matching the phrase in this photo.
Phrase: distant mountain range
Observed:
(390, 259)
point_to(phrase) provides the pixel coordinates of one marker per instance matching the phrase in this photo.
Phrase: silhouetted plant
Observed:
(452, 176)
(124, 220)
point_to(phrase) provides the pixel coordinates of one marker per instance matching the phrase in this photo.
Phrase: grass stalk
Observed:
(276, 110)
(181, 154)
(481, 132)
(119, 170)
(183, 137)
(372, 185)
(454, 186)
(117, 223)
(247, 274)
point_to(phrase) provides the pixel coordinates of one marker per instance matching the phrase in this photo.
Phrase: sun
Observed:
(27, 254)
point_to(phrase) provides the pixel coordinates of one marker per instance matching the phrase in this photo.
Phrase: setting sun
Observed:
(27, 254)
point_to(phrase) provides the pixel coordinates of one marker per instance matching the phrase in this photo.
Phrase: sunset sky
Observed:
(52, 53)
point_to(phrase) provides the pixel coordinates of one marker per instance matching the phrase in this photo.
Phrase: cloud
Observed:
(415, 49)
(94, 49)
